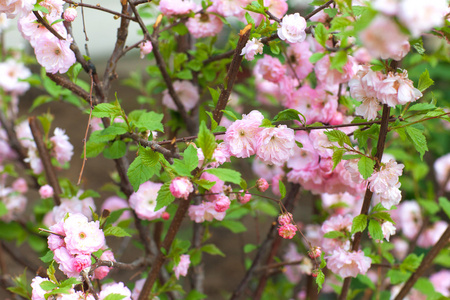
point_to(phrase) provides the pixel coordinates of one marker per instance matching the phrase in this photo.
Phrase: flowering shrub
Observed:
(332, 105)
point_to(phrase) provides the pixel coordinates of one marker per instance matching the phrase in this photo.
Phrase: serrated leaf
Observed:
(320, 279)
(321, 34)
(190, 157)
(375, 230)
(150, 121)
(398, 276)
(93, 148)
(165, 197)
(289, 115)
(411, 262)
(338, 136)
(338, 61)
(337, 156)
(425, 81)
(445, 204)
(148, 157)
(359, 223)
(226, 175)
(365, 166)
(382, 215)
(139, 173)
(115, 231)
(430, 206)
(418, 139)
(48, 285)
(212, 249)
(104, 110)
(233, 226)
(334, 235)
(316, 57)
(48, 257)
(282, 188)
(422, 107)
(117, 150)
(206, 184)
(206, 141)
(366, 280)
(195, 295)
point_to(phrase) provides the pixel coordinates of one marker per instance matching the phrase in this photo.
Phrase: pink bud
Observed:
(262, 185)
(285, 219)
(315, 252)
(165, 216)
(244, 199)
(315, 273)
(222, 203)
(20, 185)
(287, 231)
(70, 14)
(46, 191)
(146, 48)
(181, 187)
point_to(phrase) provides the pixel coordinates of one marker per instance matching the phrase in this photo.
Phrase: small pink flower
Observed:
(181, 187)
(56, 241)
(65, 261)
(37, 292)
(187, 93)
(80, 262)
(53, 54)
(275, 144)
(62, 148)
(12, 74)
(442, 171)
(82, 236)
(144, 201)
(243, 199)
(253, 47)
(46, 191)
(70, 14)
(146, 48)
(262, 185)
(270, 68)
(397, 89)
(16, 8)
(20, 185)
(114, 203)
(176, 7)
(183, 266)
(348, 264)
(292, 28)
(114, 288)
(284, 219)
(315, 252)
(441, 282)
(420, 16)
(204, 25)
(165, 216)
(287, 231)
(388, 229)
(103, 271)
(222, 203)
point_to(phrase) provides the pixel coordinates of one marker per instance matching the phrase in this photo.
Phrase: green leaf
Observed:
(249, 18)
(282, 189)
(185, 74)
(207, 185)
(250, 247)
(116, 150)
(105, 110)
(365, 166)
(115, 231)
(338, 136)
(337, 156)
(338, 61)
(445, 204)
(397, 276)
(331, 12)
(234, 226)
(190, 157)
(425, 286)
(411, 262)
(226, 175)
(139, 173)
(3, 209)
(48, 257)
(375, 230)
(334, 235)
(359, 223)
(150, 121)
(214, 95)
(382, 215)
(93, 149)
(206, 141)
(38, 7)
(195, 295)
(320, 279)
(422, 107)
(48, 285)
(212, 249)
(316, 57)
(425, 81)
(114, 297)
(366, 280)
(430, 206)
(321, 34)
(274, 48)
(288, 115)
(165, 197)
(418, 139)
(148, 157)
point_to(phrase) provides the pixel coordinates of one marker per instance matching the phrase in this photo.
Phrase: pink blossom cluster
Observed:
(13, 197)
(348, 264)
(272, 145)
(312, 167)
(181, 187)
(183, 265)
(70, 205)
(16, 8)
(114, 203)
(143, 202)
(176, 7)
(12, 74)
(204, 25)
(385, 185)
(73, 242)
(287, 230)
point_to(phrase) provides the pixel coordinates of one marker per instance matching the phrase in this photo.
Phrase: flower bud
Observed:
(315, 252)
(165, 216)
(181, 187)
(262, 185)
(222, 203)
(46, 191)
(245, 198)
(287, 231)
(284, 219)
(70, 14)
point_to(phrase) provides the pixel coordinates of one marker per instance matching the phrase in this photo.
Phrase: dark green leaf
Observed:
(226, 175)
(337, 156)
(375, 230)
(116, 150)
(150, 121)
(165, 197)
(139, 173)
(321, 34)
(445, 204)
(425, 81)
(206, 141)
(282, 189)
(288, 115)
(338, 136)
(365, 166)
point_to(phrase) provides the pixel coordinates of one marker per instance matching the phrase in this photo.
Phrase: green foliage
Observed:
(188, 164)
(337, 156)
(445, 205)
(165, 197)
(116, 150)
(365, 166)
(359, 223)
(139, 172)
(232, 225)
(425, 81)
(212, 249)
(206, 141)
(338, 61)
(115, 297)
(115, 231)
(107, 110)
(282, 189)
(375, 230)
(289, 115)
(334, 235)
(21, 286)
(411, 262)
(320, 279)
(226, 175)
(150, 121)
(418, 139)
(321, 34)
(338, 136)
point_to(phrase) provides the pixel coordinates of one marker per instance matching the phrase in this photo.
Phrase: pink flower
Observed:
(114, 203)
(146, 48)
(204, 25)
(65, 261)
(266, 171)
(228, 8)
(176, 7)
(299, 54)
(292, 28)
(62, 148)
(294, 272)
(262, 185)
(70, 14)
(275, 144)
(181, 187)
(348, 264)
(387, 7)
(37, 292)
(384, 39)
(73, 205)
(204, 212)
(400, 248)
(144, 201)
(253, 47)
(46, 191)
(54, 7)
(397, 89)
(287, 231)
(388, 229)
(12, 74)
(182, 267)
(80, 262)
(284, 219)
(53, 54)
(330, 77)
(15, 204)
(441, 282)
(187, 93)
(220, 155)
(222, 203)
(114, 288)
(431, 235)
(420, 16)
(442, 171)
(216, 188)
(364, 88)
(82, 236)
(386, 177)
(56, 241)
(137, 288)
(243, 199)
(102, 272)
(336, 223)
(165, 216)
(315, 252)
(20, 185)
(241, 135)
(270, 68)
(16, 8)
(32, 31)
(410, 218)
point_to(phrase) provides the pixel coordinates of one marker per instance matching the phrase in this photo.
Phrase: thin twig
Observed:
(76, 89)
(46, 25)
(155, 146)
(317, 10)
(98, 7)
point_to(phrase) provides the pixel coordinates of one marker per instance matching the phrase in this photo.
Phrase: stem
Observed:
(101, 9)
(317, 10)
(368, 196)
(46, 25)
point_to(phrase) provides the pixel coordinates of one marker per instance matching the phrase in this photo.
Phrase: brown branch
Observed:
(317, 10)
(66, 83)
(45, 158)
(155, 146)
(191, 128)
(98, 7)
(89, 283)
(232, 74)
(20, 258)
(425, 264)
(46, 25)
(368, 196)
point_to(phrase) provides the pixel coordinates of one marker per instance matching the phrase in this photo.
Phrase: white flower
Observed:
(388, 229)
(292, 28)
(253, 46)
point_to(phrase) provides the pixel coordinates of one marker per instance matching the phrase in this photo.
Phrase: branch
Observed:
(76, 89)
(46, 160)
(46, 25)
(368, 196)
(426, 262)
(98, 7)
(232, 73)
(155, 146)
(317, 10)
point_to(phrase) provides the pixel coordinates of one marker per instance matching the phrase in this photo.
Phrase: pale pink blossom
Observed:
(228, 8)
(441, 282)
(241, 135)
(388, 229)
(73, 205)
(144, 201)
(397, 89)
(294, 272)
(205, 212)
(145, 48)
(53, 54)
(430, 236)
(12, 74)
(330, 77)
(65, 261)
(81, 262)
(266, 171)
(114, 288)
(56, 241)
(102, 272)
(182, 267)
(275, 144)
(420, 16)
(382, 38)
(114, 203)
(340, 204)
(442, 171)
(409, 218)
(243, 198)
(15, 204)
(364, 88)
(389, 197)
(217, 187)
(299, 54)
(70, 14)
(315, 252)
(287, 231)
(37, 293)
(253, 47)
(187, 93)
(270, 68)
(292, 28)
(34, 160)
(222, 203)
(267, 92)
(262, 185)
(20, 185)
(387, 7)
(54, 7)
(386, 177)
(33, 31)
(278, 8)
(176, 7)
(336, 223)
(62, 148)
(348, 264)
(137, 288)
(181, 187)
(220, 155)
(16, 8)
(204, 25)
(24, 135)
(82, 236)
(400, 248)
